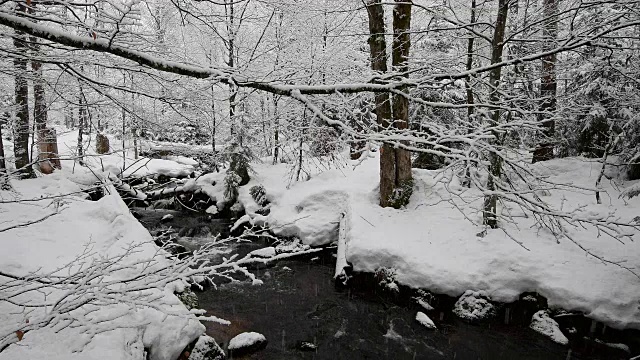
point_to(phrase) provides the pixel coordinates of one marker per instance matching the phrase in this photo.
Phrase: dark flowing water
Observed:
(304, 316)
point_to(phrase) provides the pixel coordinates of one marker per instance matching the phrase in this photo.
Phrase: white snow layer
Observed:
(424, 320)
(105, 227)
(246, 339)
(430, 244)
(545, 325)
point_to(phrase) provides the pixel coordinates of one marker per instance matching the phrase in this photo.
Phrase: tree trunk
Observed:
(124, 127)
(276, 131)
(490, 212)
(213, 120)
(48, 158)
(548, 83)
(21, 138)
(3, 165)
(469, 90)
(378, 52)
(233, 90)
(135, 127)
(81, 125)
(400, 56)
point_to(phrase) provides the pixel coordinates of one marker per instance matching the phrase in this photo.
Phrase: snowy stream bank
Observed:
(65, 237)
(299, 305)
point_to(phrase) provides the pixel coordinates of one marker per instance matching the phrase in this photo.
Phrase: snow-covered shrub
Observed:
(259, 194)
(231, 184)
(239, 158)
(324, 141)
(186, 132)
(401, 194)
(189, 299)
(387, 279)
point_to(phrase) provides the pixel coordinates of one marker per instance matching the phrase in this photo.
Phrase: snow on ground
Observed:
(174, 166)
(430, 244)
(65, 228)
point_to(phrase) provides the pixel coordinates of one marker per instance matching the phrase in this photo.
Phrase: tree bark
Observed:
(490, 212)
(48, 158)
(81, 125)
(400, 57)
(548, 83)
(276, 131)
(233, 89)
(378, 52)
(3, 165)
(469, 90)
(21, 138)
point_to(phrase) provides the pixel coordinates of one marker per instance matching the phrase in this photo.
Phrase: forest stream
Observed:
(304, 315)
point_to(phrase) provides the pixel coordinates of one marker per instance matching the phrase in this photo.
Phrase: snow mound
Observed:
(545, 325)
(424, 320)
(314, 220)
(474, 306)
(96, 230)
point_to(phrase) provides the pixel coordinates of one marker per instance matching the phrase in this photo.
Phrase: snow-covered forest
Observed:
(321, 179)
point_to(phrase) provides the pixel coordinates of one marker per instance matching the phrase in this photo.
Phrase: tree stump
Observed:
(48, 151)
(544, 152)
(102, 144)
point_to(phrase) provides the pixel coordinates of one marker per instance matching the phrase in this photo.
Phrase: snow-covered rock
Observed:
(294, 245)
(206, 348)
(247, 342)
(545, 325)
(213, 209)
(424, 320)
(474, 306)
(424, 299)
(306, 346)
(425, 305)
